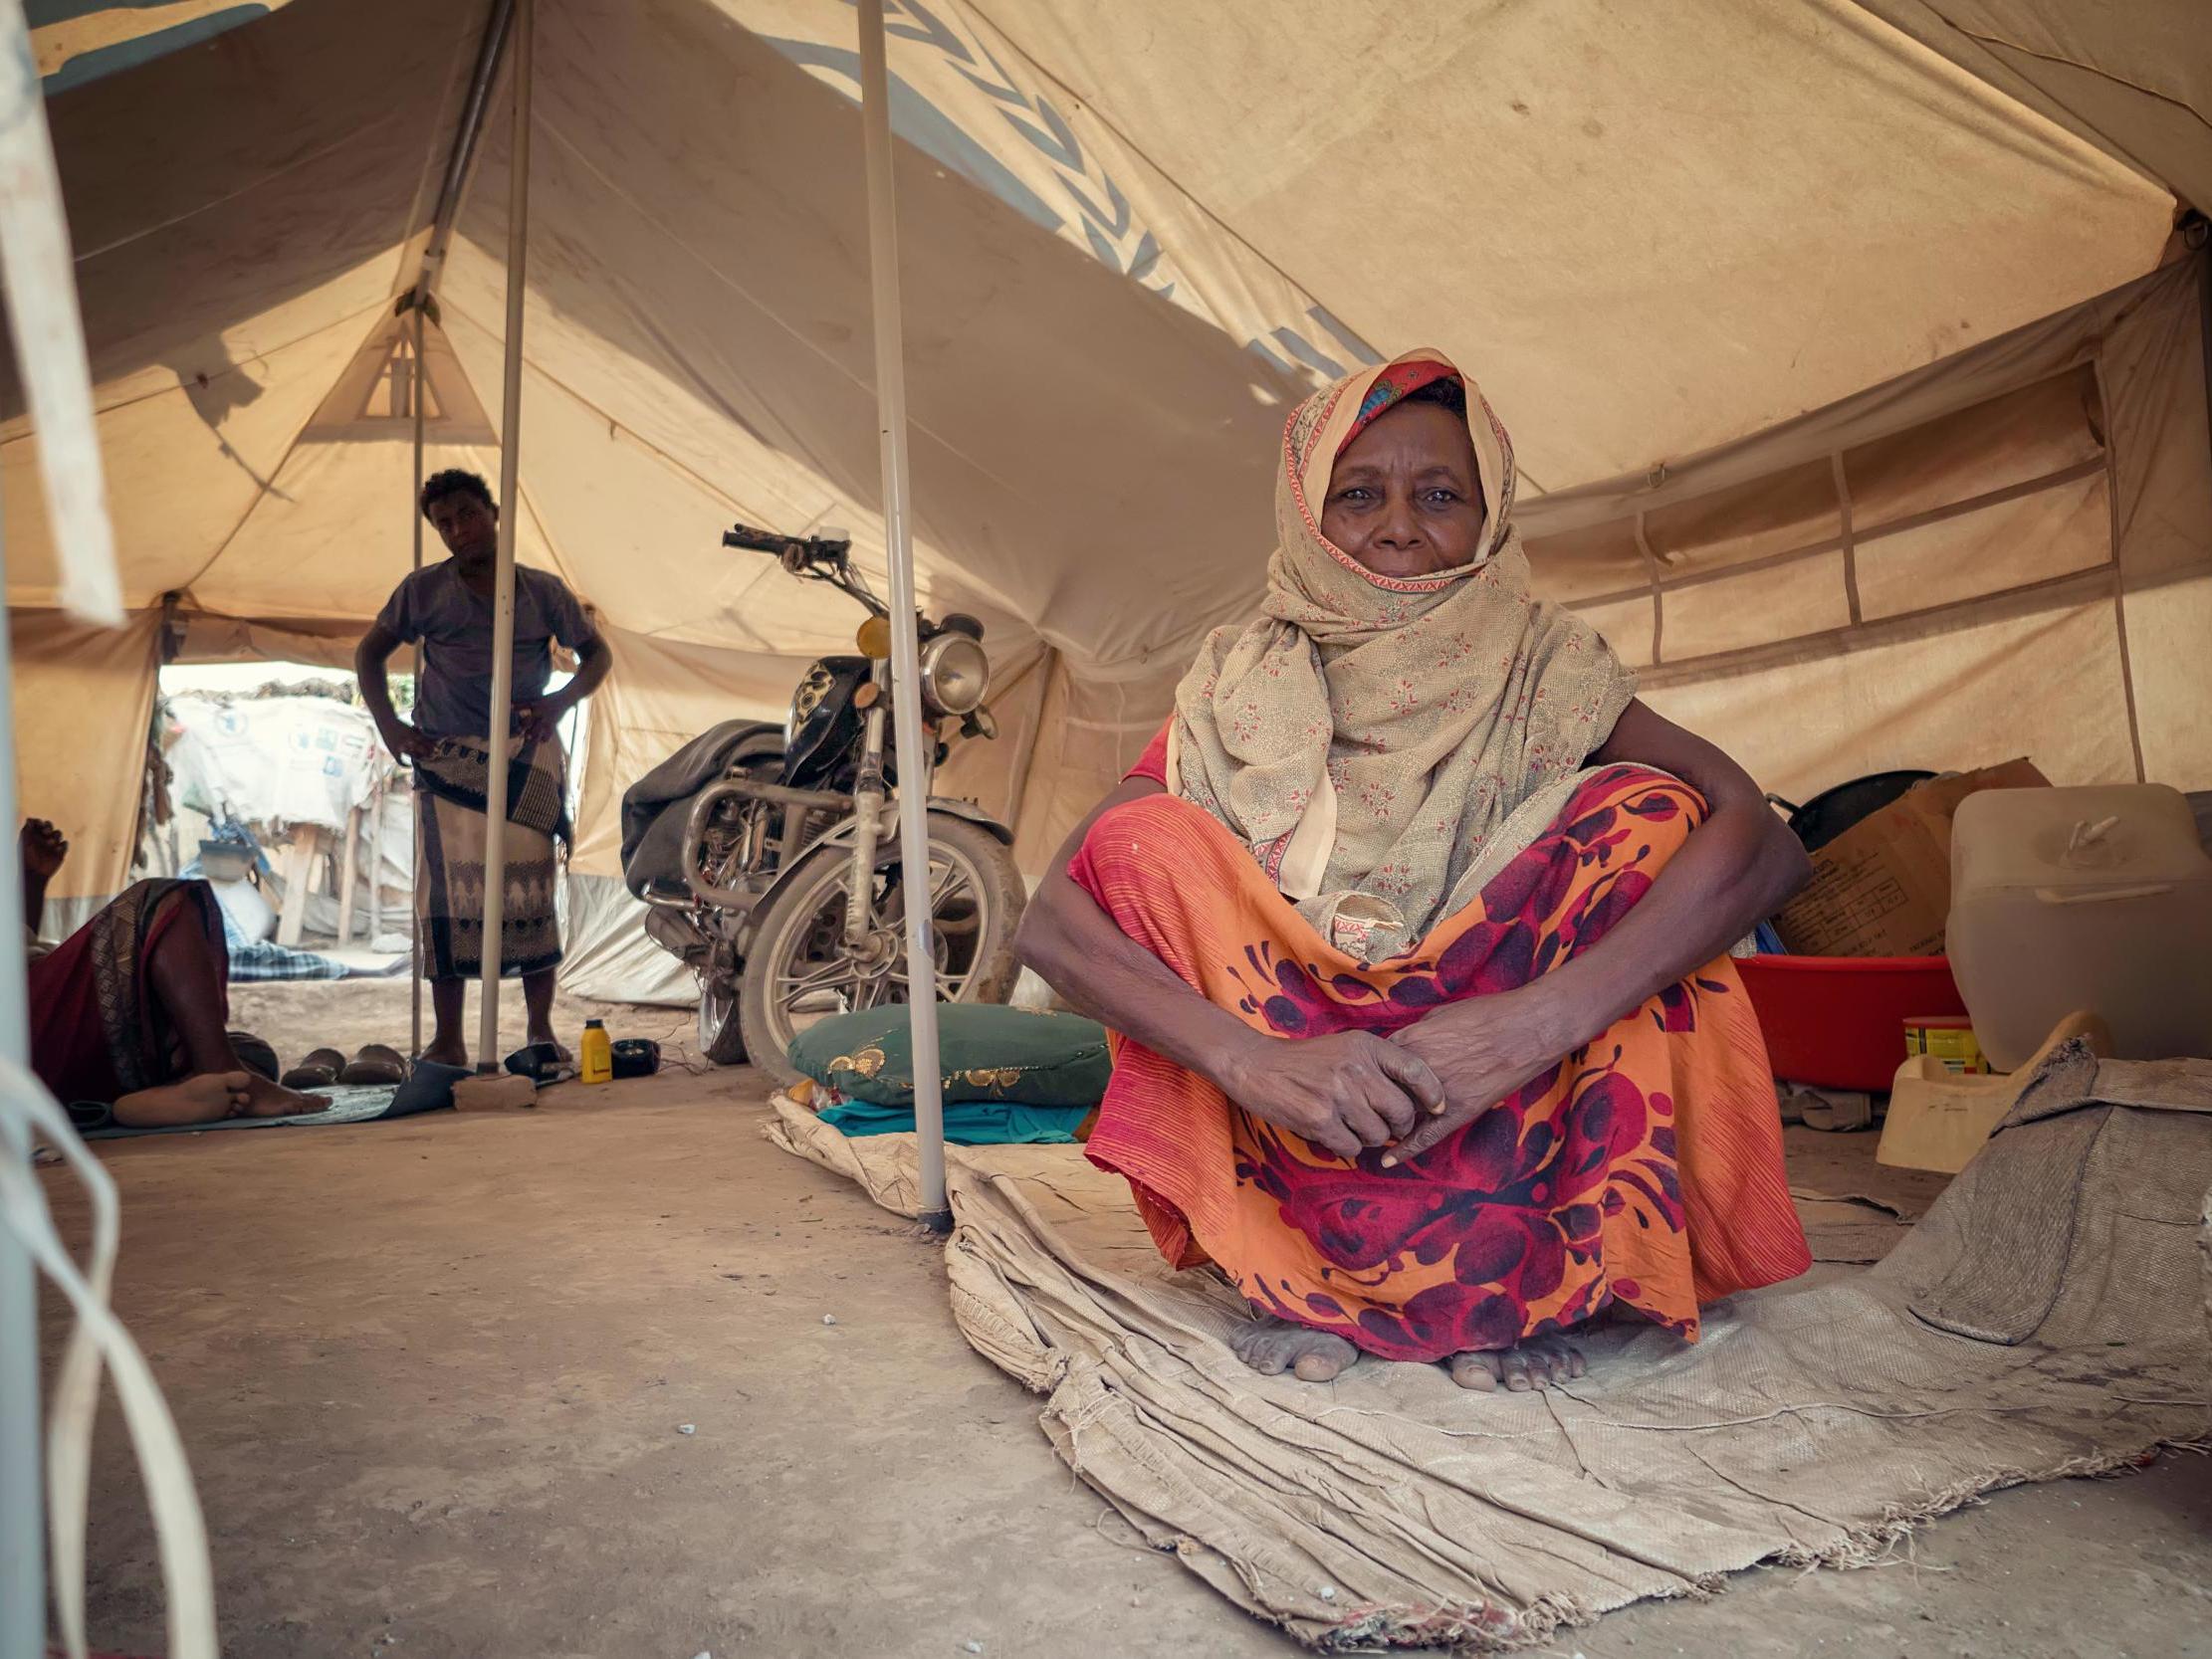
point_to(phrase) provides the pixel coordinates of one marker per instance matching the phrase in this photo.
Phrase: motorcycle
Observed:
(770, 859)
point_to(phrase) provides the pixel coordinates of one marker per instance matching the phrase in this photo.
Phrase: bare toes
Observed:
(1261, 1359)
(1479, 1371)
(1273, 1346)
(1550, 1361)
(1520, 1370)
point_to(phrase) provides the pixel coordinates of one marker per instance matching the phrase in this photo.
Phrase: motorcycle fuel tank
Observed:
(825, 727)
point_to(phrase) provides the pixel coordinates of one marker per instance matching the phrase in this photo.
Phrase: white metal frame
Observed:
(906, 687)
(510, 495)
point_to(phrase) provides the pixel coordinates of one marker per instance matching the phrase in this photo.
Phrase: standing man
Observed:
(447, 608)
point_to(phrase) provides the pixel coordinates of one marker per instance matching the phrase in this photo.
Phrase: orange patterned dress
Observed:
(1646, 1170)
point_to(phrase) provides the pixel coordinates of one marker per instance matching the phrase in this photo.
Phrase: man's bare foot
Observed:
(206, 1099)
(455, 1052)
(1272, 1347)
(1536, 1363)
(265, 1098)
(559, 1048)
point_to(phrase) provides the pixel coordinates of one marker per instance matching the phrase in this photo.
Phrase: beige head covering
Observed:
(1385, 745)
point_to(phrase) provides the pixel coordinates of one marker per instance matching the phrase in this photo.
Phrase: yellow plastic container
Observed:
(595, 1059)
(1945, 1037)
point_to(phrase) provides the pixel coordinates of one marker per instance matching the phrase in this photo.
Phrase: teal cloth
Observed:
(967, 1123)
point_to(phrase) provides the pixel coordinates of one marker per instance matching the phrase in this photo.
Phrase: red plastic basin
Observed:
(1838, 1021)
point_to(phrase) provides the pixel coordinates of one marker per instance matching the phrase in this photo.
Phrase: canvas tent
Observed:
(1852, 352)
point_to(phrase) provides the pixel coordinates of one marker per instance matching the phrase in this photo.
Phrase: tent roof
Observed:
(1130, 235)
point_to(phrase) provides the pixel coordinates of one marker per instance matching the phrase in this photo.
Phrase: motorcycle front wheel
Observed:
(799, 969)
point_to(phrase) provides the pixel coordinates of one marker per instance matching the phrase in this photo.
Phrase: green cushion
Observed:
(986, 1051)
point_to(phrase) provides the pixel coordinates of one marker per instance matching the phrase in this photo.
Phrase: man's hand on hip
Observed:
(539, 717)
(407, 742)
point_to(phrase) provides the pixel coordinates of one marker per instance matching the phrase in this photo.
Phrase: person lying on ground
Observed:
(447, 609)
(131, 1009)
(1413, 925)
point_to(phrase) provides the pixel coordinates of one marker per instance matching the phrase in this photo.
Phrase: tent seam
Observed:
(683, 470)
(260, 495)
(2120, 575)
(2032, 599)
(2183, 105)
(739, 288)
(1847, 537)
(348, 142)
(224, 373)
(727, 501)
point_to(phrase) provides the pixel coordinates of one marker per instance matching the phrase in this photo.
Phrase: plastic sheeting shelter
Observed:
(1854, 363)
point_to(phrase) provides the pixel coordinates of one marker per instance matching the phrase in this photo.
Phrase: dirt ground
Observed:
(433, 1376)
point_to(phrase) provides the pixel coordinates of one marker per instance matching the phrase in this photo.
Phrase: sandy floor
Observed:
(432, 1376)
(297, 1017)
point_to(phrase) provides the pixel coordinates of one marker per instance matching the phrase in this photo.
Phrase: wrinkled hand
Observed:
(1481, 1049)
(539, 717)
(408, 742)
(43, 846)
(1343, 1092)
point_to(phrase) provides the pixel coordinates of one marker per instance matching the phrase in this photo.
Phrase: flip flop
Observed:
(428, 1089)
(541, 1063)
(253, 1054)
(317, 1069)
(90, 1115)
(374, 1062)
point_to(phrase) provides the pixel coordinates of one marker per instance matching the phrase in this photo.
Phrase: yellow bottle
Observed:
(598, 1053)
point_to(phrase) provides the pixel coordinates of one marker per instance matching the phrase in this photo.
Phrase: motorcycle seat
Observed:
(651, 832)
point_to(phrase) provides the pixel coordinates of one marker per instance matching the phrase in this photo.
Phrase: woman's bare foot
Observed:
(265, 1098)
(1272, 1347)
(206, 1099)
(455, 1052)
(1536, 1363)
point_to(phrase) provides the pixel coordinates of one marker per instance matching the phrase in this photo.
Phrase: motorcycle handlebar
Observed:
(799, 553)
(752, 540)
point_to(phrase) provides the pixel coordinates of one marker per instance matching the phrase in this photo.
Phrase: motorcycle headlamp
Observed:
(955, 675)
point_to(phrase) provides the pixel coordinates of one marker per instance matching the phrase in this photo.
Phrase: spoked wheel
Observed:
(799, 969)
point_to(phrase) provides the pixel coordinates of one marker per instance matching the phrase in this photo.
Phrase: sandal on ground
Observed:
(317, 1069)
(428, 1089)
(541, 1063)
(253, 1054)
(376, 1063)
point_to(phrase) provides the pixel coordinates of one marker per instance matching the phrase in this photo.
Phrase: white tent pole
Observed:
(414, 816)
(906, 690)
(460, 168)
(510, 495)
(22, 1479)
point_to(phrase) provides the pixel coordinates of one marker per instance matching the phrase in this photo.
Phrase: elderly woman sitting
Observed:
(1412, 924)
